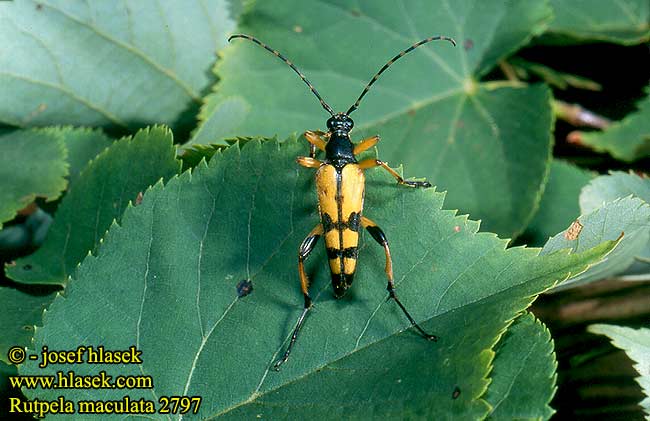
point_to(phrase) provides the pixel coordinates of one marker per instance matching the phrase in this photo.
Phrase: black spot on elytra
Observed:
(328, 224)
(333, 253)
(350, 252)
(354, 221)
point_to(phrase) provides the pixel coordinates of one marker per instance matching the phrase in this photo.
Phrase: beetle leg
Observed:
(372, 163)
(315, 139)
(306, 247)
(365, 144)
(380, 237)
(309, 162)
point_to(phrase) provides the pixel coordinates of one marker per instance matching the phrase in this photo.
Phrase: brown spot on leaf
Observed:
(39, 6)
(573, 231)
(38, 110)
(457, 228)
(468, 44)
(456, 393)
(138, 199)
(297, 29)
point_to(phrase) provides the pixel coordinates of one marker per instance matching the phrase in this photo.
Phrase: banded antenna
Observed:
(393, 60)
(290, 64)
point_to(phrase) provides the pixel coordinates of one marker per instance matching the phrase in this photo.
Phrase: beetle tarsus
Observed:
(416, 184)
(294, 336)
(426, 335)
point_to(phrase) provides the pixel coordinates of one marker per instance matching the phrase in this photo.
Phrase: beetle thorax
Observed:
(339, 149)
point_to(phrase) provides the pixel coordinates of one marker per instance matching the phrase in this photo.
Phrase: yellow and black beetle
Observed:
(340, 184)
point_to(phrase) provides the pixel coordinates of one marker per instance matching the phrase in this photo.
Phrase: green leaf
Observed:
(488, 143)
(612, 205)
(120, 64)
(21, 311)
(621, 21)
(628, 139)
(83, 145)
(32, 164)
(610, 187)
(165, 279)
(80, 144)
(559, 204)
(523, 377)
(104, 190)
(628, 218)
(636, 344)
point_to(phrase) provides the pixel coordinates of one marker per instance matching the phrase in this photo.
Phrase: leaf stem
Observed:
(578, 116)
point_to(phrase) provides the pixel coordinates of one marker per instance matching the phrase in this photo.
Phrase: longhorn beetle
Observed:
(340, 183)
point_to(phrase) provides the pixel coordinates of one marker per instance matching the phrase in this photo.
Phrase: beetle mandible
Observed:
(340, 183)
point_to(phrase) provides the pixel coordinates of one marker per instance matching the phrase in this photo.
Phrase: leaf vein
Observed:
(132, 50)
(67, 92)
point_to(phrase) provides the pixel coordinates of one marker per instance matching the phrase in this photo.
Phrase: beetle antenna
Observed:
(393, 60)
(290, 64)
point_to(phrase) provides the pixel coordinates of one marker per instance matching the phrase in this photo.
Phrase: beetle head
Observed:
(340, 122)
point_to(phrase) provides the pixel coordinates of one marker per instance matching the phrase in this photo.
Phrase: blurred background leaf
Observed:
(32, 164)
(117, 65)
(626, 140)
(615, 185)
(636, 343)
(104, 189)
(620, 21)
